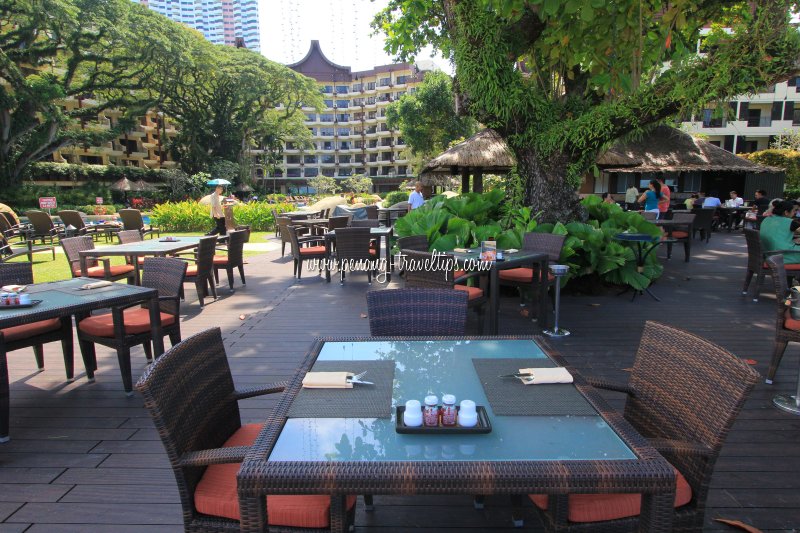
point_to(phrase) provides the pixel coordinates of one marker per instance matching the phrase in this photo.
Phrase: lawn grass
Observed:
(47, 269)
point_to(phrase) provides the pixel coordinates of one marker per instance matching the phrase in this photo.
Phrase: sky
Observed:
(341, 26)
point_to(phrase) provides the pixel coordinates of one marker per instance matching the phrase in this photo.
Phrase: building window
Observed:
(342, 103)
(370, 100)
(326, 117)
(343, 117)
(328, 159)
(373, 158)
(373, 171)
(326, 89)
(358, 116)
(341, 89)
(327, 145)
(328, 172)
(387, 171)
(384, 82)
(291, 146)
(386, 156)
(371, 86)
(292, 159)
(401, 170)
(384, 127)
(311, 117)
(373, 143)
(311, 172)
(328, 103)
(310, 159)
(386, 141)
(400, 141)
(358, 101)
(293, 173)
(326, 132)
(691, 181)
(355, 87)
(402, 79)
(359, 158)
(359, 144)
(344, 131)
(345, 172)
(344, 159)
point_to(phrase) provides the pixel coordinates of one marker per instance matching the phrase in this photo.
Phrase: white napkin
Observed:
(13, 288)
(96, 285)
(462, 250)
(327, 380)
(512, 251)
(546, 375)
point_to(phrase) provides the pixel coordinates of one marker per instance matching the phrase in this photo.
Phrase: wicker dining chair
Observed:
(787, 329)
(10, 228)
(72, 248)
(35, 334)
(354, 247)
(417, 275)
(372, 212)
(201, 273)
(756, 266)
(368, 223)
(417, 312)
(703, 221)
(234, 257)
(132, 219)
(190, 395)
(682, 232)
(275, 222)
(684, 394)
(304, 249)
(42, 227)
(283, 223)
(417, 243)
(128, 236)
(129, 326)
(650, 216)
(523, 277)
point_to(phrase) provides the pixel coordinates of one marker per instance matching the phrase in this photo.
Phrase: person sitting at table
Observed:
(711, 201)
(651, 197)
(607, 198)
(689, 202)
(761, 202)
(772, 204)
(778, 231)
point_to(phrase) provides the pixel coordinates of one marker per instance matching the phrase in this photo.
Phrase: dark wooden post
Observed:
(464, 181)
(477, 181)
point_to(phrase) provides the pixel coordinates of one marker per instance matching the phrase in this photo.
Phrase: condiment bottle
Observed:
(467, 415)
(412, 416)
(448, 410)
(430, 414)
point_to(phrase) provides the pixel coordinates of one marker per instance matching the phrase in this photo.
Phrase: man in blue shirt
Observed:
(415, 199)
(711, 201)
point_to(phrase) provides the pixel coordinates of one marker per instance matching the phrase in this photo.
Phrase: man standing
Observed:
(663, 202)
(630, 197)
(415, 199)
(216, 212)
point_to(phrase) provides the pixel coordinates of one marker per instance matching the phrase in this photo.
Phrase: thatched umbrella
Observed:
(243, 187)
(123, 184)
(484, 152)
(141, 185)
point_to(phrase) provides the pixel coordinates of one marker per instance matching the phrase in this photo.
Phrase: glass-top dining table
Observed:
(544, 438)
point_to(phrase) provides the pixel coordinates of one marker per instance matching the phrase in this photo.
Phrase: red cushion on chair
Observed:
(26, 331)
(312, 250)
(216, 494)
(99, 272)
(680, 234)
(459, 273)
(519, 275)
(136, 321)
(472, 292)
(602, 507)
(220, 259)
(191, 270)
(793, 267)
(788, 322)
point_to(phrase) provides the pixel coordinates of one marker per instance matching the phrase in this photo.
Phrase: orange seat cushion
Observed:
(602, 507)
(521, 275)
(792, 267)
(191, 270)
(459, 273)
(788, 322)
(216, 494)
(137, 320)
(220, 259)
(680, 234)
(312, 250)
(472, 292)
(99, 272)
(26, 331)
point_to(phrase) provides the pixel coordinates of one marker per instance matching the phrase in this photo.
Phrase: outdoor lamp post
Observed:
(69, 231)
(559, 271)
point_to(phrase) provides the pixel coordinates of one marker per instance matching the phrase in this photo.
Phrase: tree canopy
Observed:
(427, 119)
(561, 80)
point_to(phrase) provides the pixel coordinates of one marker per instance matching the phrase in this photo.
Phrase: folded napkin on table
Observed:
(327, 380)
(96, 285)
(13, 288)
(462, 250)
(511, 251)
(541, 376)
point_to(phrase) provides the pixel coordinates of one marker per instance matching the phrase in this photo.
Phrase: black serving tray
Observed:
(21, 306)
(484, 425)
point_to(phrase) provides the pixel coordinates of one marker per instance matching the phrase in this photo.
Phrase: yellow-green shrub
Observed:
(194, 216)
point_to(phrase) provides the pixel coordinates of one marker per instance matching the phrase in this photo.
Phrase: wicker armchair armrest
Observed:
(468, 275)
(304, 240)
(680, 447)
(214, 456)
(611, 385)
(271, 388)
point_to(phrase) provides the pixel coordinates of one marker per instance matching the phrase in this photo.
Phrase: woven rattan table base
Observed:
(510, 397)
(362, 401)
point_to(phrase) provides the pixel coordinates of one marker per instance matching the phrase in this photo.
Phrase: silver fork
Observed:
(357, 377)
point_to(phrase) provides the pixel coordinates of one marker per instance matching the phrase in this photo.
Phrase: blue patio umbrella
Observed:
(218, 181)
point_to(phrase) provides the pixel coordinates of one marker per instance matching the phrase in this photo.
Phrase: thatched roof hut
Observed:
(484, 152)
(666, 149)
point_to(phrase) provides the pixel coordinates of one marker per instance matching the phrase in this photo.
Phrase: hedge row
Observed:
(68, 172)
(194, 216)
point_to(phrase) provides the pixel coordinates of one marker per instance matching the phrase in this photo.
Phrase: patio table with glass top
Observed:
(134, 250)
(382, 233)
(517, 259)
(63, 299)
(591, 451)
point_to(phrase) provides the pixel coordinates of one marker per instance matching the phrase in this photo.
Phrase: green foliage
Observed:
(26, 196)
(226, 170)
(395, 197)
(358, 184)
(194, 216)
(181, 186)
(324, 185)
(590, 248)
(93, 173)
(427, 119)
(788, 160)
(593, 71)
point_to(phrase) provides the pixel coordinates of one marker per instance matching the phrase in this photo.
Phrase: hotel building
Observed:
(229, 22)
(350, 135)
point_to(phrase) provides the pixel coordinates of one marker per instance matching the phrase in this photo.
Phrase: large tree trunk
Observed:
(546, 186)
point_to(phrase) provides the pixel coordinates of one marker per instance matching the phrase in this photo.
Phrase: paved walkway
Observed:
(86, 458)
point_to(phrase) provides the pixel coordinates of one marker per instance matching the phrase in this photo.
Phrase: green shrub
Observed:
(69, 172)
(395, 197)
(788, 160)
(589, 248)
(194, 216)
(791, 194)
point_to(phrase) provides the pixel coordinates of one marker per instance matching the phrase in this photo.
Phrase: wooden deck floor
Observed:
(83, 457)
